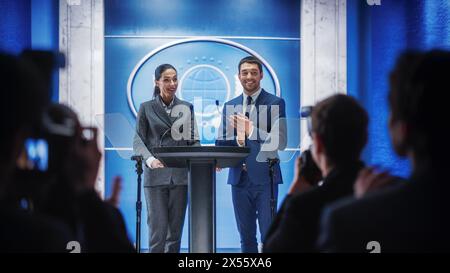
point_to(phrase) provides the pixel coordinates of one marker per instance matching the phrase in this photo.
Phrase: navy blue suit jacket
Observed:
(271, 112)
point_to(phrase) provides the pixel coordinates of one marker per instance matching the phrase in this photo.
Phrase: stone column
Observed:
(81, 83)
(323, 50)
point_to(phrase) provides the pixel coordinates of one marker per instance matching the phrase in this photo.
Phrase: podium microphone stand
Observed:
(272, 162)
(139, 171)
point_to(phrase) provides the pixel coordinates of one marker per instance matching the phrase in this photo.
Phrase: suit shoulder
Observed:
(310, 198)
(233, 101)
(146, 104)
(142, 107)
(307, 196)
(278, 100)
(273, 99)
(377, 203)
(180, 101)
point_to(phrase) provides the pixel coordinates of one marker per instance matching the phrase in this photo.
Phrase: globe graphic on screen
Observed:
(206, 83)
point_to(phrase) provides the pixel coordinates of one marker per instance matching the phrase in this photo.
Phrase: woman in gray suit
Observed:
(165, 188)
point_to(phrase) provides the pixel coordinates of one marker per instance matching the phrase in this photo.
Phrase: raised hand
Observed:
(370, 180)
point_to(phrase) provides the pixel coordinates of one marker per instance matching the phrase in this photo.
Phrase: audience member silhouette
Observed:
(44, 210)
(412, 216)
(71, 196)
(339, 133)
(22, 101)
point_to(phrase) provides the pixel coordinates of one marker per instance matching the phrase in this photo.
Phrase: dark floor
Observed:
(219, 250)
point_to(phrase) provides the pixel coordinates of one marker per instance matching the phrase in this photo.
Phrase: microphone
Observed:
(191, 141)
(218, 108)
(273, 161)
(138, 159)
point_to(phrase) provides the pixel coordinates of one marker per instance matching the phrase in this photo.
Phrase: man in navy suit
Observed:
(255, 119)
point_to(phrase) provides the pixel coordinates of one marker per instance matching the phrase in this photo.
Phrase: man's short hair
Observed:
(419, 87)
(341, 123)
(251, 60)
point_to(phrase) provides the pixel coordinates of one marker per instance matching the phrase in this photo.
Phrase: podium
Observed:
(201, 162)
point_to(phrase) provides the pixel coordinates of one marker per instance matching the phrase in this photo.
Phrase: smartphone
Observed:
(37, 154)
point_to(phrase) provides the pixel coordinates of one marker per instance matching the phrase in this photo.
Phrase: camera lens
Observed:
(306, 111)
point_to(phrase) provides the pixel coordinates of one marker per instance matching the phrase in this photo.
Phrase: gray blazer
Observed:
(151, 123)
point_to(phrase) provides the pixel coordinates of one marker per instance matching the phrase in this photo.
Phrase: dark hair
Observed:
(341, 123)
(158, 71)
(419, 86)
(251, 60)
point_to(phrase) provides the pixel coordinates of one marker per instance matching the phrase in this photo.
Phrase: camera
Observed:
(87, 134)
(309, 169)
(306, 112)
(44, 150)
(45, 155)
(45, 63)
(37, 154)
(40, 160)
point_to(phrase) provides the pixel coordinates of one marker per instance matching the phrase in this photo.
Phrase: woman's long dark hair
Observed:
(158, 71)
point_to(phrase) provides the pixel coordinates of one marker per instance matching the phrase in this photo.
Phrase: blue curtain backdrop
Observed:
(15, 25)
(135, 28)
(376, 35)
(26, 24)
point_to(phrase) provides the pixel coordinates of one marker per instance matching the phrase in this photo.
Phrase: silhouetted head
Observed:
(22, 101)
(339, 130)
(419, 87)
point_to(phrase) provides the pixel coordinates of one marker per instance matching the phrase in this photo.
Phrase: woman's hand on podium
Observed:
(156, 164)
